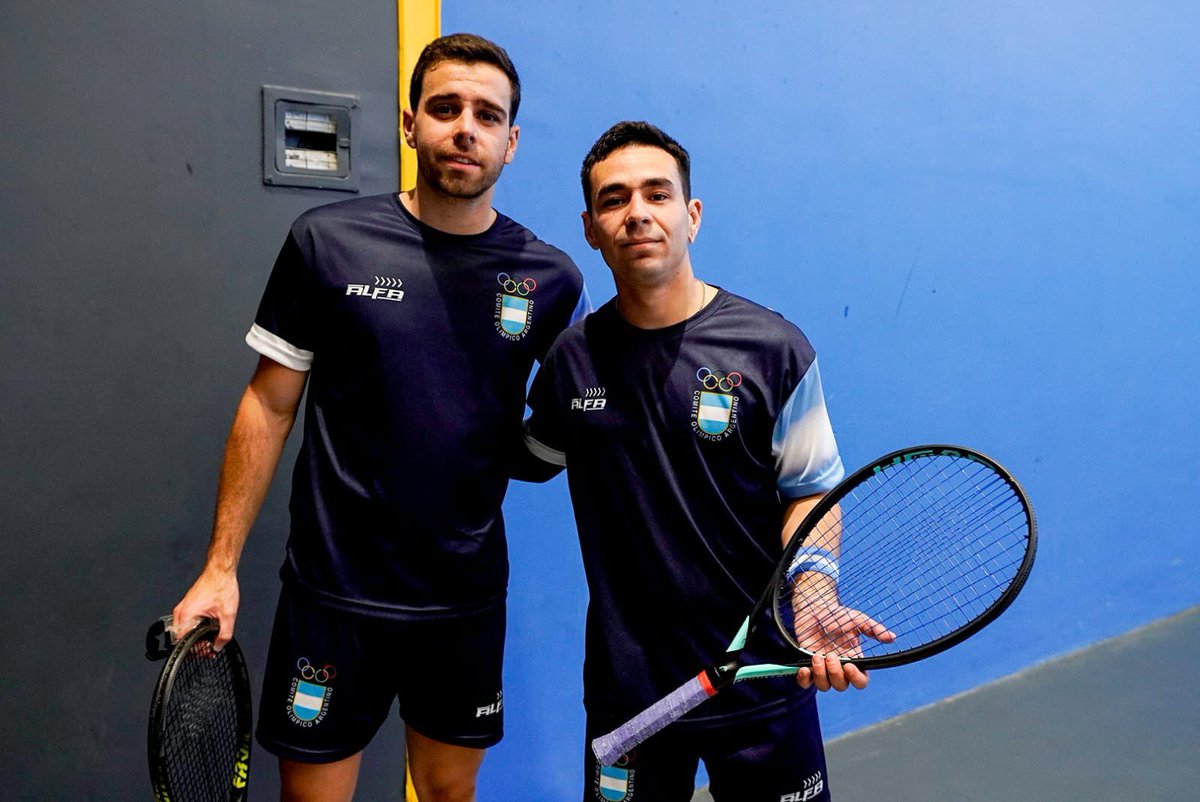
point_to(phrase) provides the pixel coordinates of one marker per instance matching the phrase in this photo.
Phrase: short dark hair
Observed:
(634, 132)
(466, 48)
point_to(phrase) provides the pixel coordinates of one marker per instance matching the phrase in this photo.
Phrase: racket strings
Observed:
(957, 554)
(925, 547)
(956, 564)
(201, 726)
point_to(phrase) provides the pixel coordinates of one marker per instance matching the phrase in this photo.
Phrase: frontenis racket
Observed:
(200, 717)
(905, 558)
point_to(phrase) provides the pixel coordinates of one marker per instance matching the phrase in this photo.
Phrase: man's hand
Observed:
(828, 672)
(832, 633)
(214, 595)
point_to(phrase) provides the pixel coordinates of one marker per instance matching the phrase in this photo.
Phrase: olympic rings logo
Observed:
(715, 381)
(321, 675)
(514, 287)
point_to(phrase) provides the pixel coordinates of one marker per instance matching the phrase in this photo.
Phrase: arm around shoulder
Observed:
(535, 462)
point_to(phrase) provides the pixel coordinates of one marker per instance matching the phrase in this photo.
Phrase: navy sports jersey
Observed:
(682, 447)
(419, 346)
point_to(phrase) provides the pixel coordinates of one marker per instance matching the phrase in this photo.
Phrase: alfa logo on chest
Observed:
(386, 288)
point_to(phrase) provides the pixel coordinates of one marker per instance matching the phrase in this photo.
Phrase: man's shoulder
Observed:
(590, 333)
(343, 219)
(574, 339)
(767, 323)
(350, 209)
(530, 245)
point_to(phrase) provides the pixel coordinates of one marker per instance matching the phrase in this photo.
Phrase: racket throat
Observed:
(715, 678)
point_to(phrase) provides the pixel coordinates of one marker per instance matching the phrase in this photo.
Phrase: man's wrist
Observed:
(813, 559)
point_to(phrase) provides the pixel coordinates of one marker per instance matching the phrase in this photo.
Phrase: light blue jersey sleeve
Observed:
(805, 451)
(583, 308)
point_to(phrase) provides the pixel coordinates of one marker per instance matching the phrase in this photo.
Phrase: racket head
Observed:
(201, 721)
(933, 542)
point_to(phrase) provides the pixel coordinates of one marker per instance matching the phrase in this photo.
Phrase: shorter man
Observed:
(694, 432)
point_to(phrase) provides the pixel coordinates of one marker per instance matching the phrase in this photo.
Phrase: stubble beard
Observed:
(464, 189)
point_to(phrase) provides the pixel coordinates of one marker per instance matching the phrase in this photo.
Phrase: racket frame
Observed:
(831, 499)
(712, 679)
(206, 629)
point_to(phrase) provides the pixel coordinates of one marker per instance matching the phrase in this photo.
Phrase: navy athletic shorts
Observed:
(331, 677)
(777, 756)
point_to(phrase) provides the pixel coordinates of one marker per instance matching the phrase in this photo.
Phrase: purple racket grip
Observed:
(609, 748)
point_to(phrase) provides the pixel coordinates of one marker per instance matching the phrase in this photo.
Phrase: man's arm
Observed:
(534, 461)
(794, 514)
(260, 428)
(829, 672)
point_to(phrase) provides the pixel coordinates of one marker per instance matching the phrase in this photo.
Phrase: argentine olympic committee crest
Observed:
(615, 783)
(714, 406)
(514, 307)
(310, 696)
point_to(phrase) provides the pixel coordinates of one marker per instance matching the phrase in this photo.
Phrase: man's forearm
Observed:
(252, 454)
(794, 514)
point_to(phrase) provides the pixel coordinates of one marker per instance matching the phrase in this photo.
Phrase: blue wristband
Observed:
(809, 558)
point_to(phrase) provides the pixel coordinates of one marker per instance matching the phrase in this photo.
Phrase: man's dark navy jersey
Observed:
(419, 346)
(683, 446)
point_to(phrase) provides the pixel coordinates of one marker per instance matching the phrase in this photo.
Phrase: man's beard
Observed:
(461, 188)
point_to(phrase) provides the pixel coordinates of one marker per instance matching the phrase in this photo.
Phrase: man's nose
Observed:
(467, 126)
(637, 212)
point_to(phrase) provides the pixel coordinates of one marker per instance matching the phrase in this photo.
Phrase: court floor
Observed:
(1119, 720)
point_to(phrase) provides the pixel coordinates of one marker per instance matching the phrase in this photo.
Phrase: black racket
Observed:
(200, 717)
(906, 557)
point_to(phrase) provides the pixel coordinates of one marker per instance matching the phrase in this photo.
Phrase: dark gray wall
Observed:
(135, 237)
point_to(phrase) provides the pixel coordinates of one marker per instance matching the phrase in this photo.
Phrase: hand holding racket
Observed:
(905, 558)
(200, 716)
(830, 629)
(215, 595)
(824, 628)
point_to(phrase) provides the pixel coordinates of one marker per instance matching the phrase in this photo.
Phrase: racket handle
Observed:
(609, 748)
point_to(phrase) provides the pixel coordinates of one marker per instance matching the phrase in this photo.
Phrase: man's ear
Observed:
(407, 120)
(514, 134)
(587, 230)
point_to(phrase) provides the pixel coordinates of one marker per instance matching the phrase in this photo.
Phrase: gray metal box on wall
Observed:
(309, 139)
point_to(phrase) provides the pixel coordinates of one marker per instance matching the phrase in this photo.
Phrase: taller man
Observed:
(414, 320)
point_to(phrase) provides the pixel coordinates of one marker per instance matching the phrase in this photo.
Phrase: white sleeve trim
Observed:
(544, 452)
(275, 347)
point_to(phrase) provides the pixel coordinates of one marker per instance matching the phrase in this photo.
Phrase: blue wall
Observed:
(1001, 196)
(986, 216)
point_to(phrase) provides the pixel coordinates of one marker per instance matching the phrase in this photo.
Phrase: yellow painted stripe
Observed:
(410, 793)
(419, 23)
